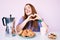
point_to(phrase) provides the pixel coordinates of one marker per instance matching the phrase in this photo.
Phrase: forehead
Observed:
(28, 6)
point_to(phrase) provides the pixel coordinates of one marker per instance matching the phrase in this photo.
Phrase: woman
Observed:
(30, 20)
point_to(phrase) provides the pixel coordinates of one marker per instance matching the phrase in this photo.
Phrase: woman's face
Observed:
(28, 10)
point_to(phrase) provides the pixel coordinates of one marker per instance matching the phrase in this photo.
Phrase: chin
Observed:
(28, 14)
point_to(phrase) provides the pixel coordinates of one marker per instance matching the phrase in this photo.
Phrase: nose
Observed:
(28, 11)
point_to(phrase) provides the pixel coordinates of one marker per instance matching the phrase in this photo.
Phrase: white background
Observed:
(49, 10)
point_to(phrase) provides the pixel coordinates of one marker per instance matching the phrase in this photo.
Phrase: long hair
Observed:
(33, 23)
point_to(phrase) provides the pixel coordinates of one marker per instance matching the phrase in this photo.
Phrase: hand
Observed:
(29, 17)
(47, 30)
(37, 17)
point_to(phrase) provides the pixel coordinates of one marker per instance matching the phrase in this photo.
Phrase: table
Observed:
(17, 37)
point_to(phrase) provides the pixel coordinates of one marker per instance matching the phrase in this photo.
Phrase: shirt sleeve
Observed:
(39, 23)
(21, 20)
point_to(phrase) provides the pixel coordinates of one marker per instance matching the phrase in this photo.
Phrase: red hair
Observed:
(34, 23)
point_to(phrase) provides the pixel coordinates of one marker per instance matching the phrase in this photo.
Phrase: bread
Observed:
(31, 34)
(27, 33)
(20, 32)
(24, 34)
(52, 36)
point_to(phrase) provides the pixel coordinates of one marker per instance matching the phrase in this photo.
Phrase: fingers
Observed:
(33, 17)
(30, 17)
(47, 30)
(36, 14)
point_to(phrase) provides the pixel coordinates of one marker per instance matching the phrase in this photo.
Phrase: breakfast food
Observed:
(30, 33)
(24, 34)
(27, 33)
(20, 32)
(52, 36)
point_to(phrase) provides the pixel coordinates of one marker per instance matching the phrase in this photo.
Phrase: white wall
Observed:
(49, 10)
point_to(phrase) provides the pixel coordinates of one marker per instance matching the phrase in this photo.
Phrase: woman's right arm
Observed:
(21, 26)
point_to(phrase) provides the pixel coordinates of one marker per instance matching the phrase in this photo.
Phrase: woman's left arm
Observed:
(42, 22)
(45, 26)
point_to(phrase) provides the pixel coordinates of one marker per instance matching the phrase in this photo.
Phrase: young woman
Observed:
(30, 20)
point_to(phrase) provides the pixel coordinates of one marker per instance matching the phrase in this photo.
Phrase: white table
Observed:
(37, 37)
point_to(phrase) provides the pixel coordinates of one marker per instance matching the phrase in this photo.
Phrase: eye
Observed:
(25, 9)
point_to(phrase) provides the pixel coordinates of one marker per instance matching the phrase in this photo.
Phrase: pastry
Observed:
(24, 34)
(52, 36)
(27, 33)
(30, 34)
(21, 31)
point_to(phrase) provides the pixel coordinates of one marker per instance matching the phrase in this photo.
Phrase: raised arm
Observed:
(21, 25)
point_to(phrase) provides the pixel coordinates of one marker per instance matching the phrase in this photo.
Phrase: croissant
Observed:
(24, 34)
(27, 33)
(52, 36)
